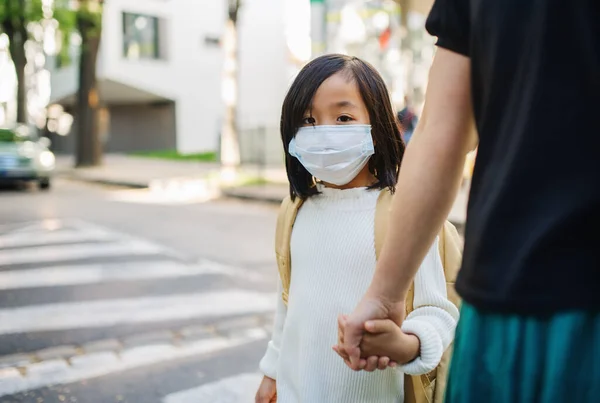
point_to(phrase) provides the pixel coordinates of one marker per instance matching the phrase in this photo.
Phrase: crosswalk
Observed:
(79, 301)
(236, 389)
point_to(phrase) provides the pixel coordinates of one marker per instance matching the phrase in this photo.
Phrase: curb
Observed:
(108, 182)
(249, 197)
(66, 355)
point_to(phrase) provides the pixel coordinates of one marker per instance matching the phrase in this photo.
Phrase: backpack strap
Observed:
(451, 258)
(283, 236)
(382, 219)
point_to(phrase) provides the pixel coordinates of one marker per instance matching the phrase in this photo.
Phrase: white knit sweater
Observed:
(333, 260)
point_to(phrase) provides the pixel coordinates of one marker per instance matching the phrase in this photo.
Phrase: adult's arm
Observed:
(427, 187)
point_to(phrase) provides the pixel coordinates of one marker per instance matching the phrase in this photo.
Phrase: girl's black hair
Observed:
(389, 147)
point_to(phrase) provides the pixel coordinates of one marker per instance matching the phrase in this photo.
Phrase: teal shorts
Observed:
(520, 359)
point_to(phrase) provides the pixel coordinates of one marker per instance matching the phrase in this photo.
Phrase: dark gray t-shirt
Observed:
(532, 242)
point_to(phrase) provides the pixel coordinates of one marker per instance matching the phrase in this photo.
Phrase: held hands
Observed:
(350, 334)
(267, 391)
(383, 344)
(385, 338)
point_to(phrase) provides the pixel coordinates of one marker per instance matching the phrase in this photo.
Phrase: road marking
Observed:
(101, 273)
(32, 226)
(57, 253)
(20, 239)
(90, 314)
(236, 389)
(85, 225)
(238, 272)
(100, 364)
(54, 232)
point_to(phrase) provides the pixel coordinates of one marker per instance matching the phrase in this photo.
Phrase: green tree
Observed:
(88, 19)
(15, 16)
(85, 18)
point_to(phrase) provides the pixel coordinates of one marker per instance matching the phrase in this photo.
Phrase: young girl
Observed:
(343, 146)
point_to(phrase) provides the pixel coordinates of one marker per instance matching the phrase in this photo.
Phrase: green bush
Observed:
(174, 155)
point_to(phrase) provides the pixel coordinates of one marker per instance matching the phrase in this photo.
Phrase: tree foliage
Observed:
(18, 17)
(15, 17)
(18, 13)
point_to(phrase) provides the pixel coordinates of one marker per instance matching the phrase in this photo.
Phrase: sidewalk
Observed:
(134, 172)
(158, 174)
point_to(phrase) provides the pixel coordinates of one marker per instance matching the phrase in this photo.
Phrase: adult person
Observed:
(408, 120)
(530, 325)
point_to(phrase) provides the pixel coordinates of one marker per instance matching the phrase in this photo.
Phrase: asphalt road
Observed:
(115, 295)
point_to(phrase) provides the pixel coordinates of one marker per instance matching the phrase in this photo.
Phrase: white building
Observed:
(159, 75)
(275, 42)
(160, 70)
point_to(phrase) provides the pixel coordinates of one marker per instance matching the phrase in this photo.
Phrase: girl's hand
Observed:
(367, 363)
(267, 391)
(374, 362)
(384, 338)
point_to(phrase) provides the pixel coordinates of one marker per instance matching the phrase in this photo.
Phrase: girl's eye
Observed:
(308, 121)
(345, 119)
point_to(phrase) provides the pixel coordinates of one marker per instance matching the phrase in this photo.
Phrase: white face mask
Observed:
(333, 154)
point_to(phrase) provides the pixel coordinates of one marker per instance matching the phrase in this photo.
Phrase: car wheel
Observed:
(44, 184)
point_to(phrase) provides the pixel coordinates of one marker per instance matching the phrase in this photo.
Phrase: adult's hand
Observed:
(352, 328)
(367, 363)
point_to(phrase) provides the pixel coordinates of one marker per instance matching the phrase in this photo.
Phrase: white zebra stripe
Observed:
(57, 372)
(23, 239)
(101, 273)
(89, 314)
(236, 389)
(57, 253)
(32, 226)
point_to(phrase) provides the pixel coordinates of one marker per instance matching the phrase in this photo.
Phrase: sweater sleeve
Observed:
(268, 364)
(434, 318)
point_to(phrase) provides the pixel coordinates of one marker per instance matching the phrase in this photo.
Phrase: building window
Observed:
(140, 36)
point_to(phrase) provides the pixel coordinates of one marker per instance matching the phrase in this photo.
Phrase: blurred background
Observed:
(141, 170)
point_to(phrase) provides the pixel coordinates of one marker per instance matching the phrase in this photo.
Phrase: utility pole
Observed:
(318, 27)
(406, 48)
(230, 150)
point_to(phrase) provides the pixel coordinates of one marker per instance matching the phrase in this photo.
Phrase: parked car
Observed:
(24, 156)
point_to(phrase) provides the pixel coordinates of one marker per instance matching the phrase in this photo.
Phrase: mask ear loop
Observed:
(315, 182)
(371, 164)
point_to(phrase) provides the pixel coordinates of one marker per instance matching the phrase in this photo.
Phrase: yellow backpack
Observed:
(428, 388)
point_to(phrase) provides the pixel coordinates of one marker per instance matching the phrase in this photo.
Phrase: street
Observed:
(107, 297)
